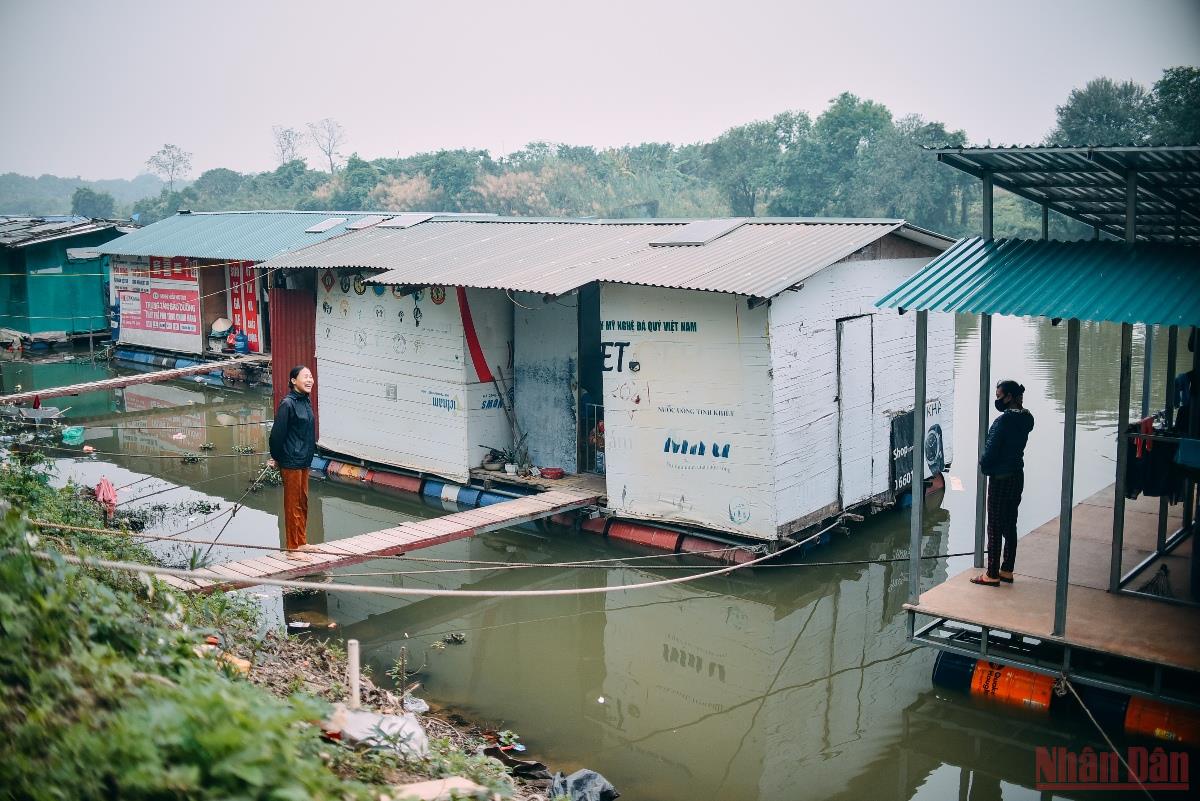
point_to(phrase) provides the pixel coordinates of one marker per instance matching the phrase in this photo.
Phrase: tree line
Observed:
(854, 159)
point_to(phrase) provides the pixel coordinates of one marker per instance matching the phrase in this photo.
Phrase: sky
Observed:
(94, 89)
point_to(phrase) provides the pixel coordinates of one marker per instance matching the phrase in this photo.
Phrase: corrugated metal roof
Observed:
(1088, 183)
(1105, 281)
(19, 232)
(760, 258)
(248, 235)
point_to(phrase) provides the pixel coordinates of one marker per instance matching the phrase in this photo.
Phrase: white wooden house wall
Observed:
(396, 384)
(804, 363)
(694, 370)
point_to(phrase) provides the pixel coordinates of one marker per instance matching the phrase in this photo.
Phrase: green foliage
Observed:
(87, 202)
(1175, 105)
(853, 160)
(447, 760)
(1103, 112)
(102, 694)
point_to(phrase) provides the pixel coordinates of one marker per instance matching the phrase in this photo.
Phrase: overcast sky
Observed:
(94, 88)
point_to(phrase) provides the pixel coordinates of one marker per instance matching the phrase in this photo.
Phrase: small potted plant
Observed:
(494, 460)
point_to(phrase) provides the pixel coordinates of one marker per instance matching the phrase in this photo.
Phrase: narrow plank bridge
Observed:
(128, 380)
(395, 541)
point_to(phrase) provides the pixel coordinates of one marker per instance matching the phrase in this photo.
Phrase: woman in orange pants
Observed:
(293, 443)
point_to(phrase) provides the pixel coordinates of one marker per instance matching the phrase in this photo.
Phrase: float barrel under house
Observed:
(726, 374)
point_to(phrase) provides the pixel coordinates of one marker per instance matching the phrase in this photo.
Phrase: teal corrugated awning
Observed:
(1103, 281)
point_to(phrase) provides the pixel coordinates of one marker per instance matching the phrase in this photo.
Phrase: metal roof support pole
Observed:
(1045, 222)
(1068, 480)
(1172, 356)
(1193, 428)
(985, 403)
(1118, 540)
(987, 205)
(918, 460)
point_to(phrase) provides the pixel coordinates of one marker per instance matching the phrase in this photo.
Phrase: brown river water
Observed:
(790, 682)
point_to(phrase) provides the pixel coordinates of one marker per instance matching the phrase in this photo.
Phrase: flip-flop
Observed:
(1006, 579)
(983, 582)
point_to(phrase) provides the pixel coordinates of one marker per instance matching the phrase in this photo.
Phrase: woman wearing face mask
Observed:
(293, 443)
(1003, 462)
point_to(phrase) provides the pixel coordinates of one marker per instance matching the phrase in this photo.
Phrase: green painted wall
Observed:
(55, 294)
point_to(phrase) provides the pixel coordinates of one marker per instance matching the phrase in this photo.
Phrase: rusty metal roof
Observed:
(19, 231)
(761, 257)
(1088, 183)
(1105, 281)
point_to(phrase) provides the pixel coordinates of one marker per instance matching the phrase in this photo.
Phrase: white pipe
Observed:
(352, 658)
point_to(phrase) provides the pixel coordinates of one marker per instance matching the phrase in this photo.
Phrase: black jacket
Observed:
(293, 436)
(1004, 452)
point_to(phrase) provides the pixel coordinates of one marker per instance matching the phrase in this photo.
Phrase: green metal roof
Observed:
(246, 235)
(1105, 281)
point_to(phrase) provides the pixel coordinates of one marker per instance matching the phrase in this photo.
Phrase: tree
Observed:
(1175, 106)
(87, 202)
(219, 185)
(171, 163)
(453, 173)
(1103, 112)
(328, 136)
(744, 161)
(287, 143)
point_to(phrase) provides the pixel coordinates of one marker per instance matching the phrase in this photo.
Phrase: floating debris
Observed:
(457, 638)
(208, 446)
(190, 458)
(245, 450)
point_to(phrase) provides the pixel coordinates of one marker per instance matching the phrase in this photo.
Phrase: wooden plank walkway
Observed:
(129, 380)
(1134, 627)
(401, 539)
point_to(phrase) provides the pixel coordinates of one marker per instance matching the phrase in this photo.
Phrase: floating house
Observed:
(52, 279)
(726, 374)
(174, 278)
(1105, 595)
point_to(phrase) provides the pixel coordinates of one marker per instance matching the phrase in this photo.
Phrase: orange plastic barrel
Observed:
(649, 536)
(1161, 721)
(1012, 686)
(396, 481)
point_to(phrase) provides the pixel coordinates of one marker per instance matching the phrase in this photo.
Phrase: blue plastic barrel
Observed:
(954, 671)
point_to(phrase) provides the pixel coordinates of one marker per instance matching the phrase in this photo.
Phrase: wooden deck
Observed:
(1134, 627)
(591, 483)
(129, 380)
(401, 539)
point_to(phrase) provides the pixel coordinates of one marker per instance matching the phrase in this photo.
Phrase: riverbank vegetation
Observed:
(112, 686)
(855, 158)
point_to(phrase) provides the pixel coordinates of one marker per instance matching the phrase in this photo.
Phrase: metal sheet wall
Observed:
(294, 339)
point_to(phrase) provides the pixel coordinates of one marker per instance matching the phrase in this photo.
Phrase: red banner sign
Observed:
(243, 302)
(177, 268)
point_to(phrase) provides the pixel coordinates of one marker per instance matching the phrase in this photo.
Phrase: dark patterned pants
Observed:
(1003, 500)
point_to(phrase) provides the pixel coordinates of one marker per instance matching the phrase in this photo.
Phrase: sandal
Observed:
(1006, 579)
(984, 580)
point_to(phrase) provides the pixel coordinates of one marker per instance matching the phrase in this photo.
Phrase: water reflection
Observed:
(792, 682)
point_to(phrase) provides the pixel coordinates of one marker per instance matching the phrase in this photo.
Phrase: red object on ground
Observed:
(106, 495)
(553, 472)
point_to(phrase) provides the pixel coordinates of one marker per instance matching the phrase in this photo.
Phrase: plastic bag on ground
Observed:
(72, 435)
(583, 785)
(402, 733)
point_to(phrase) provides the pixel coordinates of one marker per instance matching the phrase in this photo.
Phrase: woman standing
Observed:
(293, 443)
(1003, 462)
